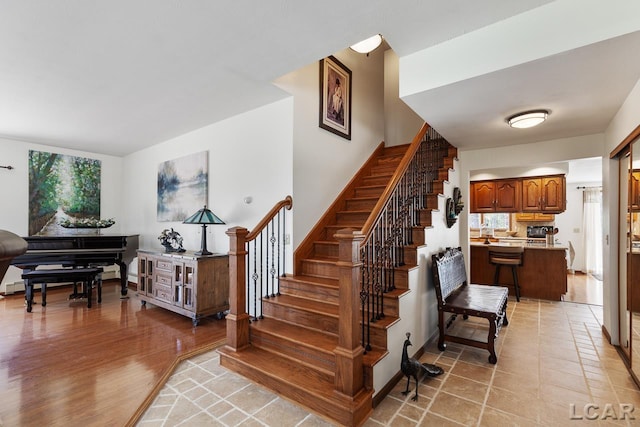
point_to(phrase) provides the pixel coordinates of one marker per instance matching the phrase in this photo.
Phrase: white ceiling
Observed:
(117, 76)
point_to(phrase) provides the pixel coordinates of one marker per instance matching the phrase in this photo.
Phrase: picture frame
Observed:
(183, 186)
(335, 97)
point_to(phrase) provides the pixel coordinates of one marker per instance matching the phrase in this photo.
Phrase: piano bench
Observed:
(88, 276)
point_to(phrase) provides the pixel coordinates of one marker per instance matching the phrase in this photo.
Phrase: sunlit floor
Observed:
(552, 361)
(584, 289)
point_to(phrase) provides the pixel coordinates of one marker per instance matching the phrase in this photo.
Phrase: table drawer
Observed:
(162, 264)
(163, 279)
(162, 293)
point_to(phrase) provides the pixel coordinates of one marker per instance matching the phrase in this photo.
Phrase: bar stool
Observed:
(507, 256)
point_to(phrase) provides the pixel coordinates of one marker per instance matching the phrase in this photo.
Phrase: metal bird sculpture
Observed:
(412, 368)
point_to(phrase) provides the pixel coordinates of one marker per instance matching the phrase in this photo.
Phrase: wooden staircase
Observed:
(292, 350)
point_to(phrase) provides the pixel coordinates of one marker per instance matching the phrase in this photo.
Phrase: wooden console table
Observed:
(191, 285)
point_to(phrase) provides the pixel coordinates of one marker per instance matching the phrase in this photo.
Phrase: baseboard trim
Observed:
(606, 334)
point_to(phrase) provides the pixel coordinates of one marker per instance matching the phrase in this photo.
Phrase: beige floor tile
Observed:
(251, 398)
(282, 413)
(456, 408)
(515, 383)
(522, 404)
(431, 419)
(552, 355)
(465, 388)
(493, 417)
(472, 371)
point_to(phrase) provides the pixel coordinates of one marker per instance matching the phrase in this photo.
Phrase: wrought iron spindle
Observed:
(384, 248)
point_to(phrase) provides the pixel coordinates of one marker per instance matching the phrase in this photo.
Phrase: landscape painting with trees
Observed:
(62, 190)
(182, 186)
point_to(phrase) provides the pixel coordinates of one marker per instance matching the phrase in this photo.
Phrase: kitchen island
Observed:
(543, 273)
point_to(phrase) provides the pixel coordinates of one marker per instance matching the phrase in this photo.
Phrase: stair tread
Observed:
(315, 280)
(322, 307)
(321, 259)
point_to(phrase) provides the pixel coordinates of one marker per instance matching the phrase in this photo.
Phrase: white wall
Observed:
(14, 216)
(401, 123)
(249, 155)
(323, 162)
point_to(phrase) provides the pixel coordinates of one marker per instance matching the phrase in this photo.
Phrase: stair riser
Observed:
(310, 268)
(437, 187)
(361, 204)
(432, 201)
(418, 235)
(325, 250)
(378, 336)
(352, 218)
(369, 191)
(410, 256)
(384, 169)
(426, 218)
(308, 290)
(376, 180)
(302, 317)
(305, 354)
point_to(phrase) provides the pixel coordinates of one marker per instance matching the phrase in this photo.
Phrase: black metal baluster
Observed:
(255, 281)
(273, 251)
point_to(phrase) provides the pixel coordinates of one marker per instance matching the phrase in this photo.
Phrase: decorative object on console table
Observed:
(204, 216)
(171, 240)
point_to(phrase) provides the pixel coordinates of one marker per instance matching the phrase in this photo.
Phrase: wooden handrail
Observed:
(367, 228)
(287, 202)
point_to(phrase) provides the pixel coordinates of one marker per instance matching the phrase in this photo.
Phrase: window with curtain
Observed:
(592, 225)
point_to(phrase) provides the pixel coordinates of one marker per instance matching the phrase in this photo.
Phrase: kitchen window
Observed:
(497, 221)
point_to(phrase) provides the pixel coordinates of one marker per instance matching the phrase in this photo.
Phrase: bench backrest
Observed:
(449, 272)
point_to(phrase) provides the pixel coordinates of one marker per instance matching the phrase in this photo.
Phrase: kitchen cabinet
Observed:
(185, 283)
(544, 194)
(502, 195)
(535, 216)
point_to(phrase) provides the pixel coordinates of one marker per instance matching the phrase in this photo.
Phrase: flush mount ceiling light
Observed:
(528, 119)
(368, 45)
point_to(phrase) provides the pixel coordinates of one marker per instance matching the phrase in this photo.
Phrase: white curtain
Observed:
(592, 226)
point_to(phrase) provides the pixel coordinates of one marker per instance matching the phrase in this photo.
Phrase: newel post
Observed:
(237, 319)
(349, 353)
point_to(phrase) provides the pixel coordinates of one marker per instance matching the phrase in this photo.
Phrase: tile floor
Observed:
(552, 361)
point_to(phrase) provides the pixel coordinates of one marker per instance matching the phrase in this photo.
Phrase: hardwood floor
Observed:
(65, 364)
(583, 288)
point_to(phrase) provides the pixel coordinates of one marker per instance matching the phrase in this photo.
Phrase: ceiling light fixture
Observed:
(528, 119)
(368, 45)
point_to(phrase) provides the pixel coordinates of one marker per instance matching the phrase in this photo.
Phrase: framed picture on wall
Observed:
(335, 97)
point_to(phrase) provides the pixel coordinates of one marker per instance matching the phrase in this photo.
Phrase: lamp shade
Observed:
(203, 217)
(527, 119)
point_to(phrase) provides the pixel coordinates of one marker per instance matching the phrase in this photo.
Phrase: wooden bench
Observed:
(88, 276)
(457, 297)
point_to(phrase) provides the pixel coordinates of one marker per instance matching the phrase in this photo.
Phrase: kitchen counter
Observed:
(543, 273)
(536, 245)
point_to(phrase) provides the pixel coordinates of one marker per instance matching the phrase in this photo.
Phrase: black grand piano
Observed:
(80, 251)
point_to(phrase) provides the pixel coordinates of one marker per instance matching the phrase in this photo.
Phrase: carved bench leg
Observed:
(441, 344)
(505, 321)
(491, 341)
